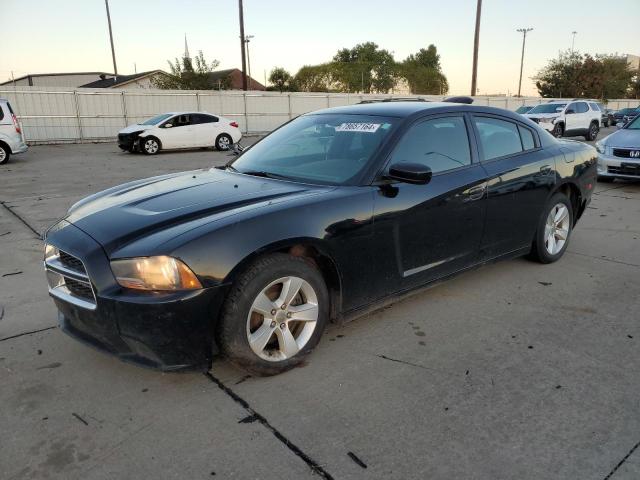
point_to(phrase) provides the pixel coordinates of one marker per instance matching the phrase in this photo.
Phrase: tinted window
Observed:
(1, 112)
(497, 137)
(441, 144)
(595, 106)
(328, 148)
(573, 107)
(527, 138)
(582, 107)
(198, 118)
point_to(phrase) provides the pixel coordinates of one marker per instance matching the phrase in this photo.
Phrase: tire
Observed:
(150, 145)
(223, 142)
(605, 179)
(273, 331)
(606, 124)
(593, 132)
(558, 130)
(5, 153)
(542, 250)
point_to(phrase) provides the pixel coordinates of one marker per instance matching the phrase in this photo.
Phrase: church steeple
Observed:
(186, 48)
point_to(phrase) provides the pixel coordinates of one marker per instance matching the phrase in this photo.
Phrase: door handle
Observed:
(545, 169)
(475, 193)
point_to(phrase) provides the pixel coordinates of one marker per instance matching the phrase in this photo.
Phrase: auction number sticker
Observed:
(358, 127)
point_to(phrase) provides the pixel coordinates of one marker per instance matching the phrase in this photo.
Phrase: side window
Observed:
(595, 107)
(181, 121)
(198, 118)
(572, 106)
(1, 112)
(527, 138)
(498, 138)
(582, 107)
(441, 144)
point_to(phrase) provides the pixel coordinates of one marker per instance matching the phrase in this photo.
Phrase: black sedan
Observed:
(332, 215)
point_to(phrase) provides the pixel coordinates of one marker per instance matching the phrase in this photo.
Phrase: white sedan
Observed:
(179, 130)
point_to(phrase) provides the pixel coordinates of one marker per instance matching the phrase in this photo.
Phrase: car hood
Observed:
(120, 215)
(135, 128)
(624, 138)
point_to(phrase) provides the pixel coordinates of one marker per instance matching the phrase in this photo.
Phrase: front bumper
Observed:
(618, 167)
(164, 331)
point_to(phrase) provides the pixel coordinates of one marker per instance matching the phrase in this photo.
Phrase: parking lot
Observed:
(512, 371)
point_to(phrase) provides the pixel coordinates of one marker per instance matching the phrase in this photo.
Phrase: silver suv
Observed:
(11, 140)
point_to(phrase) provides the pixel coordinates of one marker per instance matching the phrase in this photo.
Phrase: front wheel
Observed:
(274, 315)
(554, 229)
(223, 142)
(593, 132)
(4, 154)
(150, 145)
(558, 130)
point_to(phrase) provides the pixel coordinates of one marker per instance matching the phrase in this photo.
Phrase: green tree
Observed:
(314, 78)
(634, 88)
(577, 75)
(423, 72)
(280, 79)
(364, 68)
(184, 76)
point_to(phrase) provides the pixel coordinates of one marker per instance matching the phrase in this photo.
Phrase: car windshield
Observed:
(634, 124)
(523, 109)
(548, 108)
(327, 149)
(157, 119)
(627, 111)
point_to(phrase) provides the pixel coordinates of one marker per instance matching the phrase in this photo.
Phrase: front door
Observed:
(428, 231)
(179, 134)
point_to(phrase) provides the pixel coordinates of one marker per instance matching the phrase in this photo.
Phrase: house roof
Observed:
(59, 74)
(120, 79)
(223, 74)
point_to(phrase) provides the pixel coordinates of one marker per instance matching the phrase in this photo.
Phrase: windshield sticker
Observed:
(358, 127)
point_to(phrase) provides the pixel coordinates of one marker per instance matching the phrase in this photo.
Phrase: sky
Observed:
(41, 36)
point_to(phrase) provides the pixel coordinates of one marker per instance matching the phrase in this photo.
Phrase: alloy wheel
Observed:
(151, 146)
(3, 155)
(223, 143)
(282, 319)
(556, 230)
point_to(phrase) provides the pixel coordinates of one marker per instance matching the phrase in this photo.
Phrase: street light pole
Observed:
(247, 39)
(524, 39)
(244, 60)
(573, 40)
(113, 51)
(476, 42)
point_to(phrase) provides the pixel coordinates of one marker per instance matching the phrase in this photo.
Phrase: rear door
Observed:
(520, 177)
(204, 129)
(428, 231)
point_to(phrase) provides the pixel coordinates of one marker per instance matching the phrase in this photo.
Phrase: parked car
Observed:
(179, 130)
(568, 119)
(11, 141)
(333, 214)
(625, 114)
(619, 153)
(524, 109)
(607, 116)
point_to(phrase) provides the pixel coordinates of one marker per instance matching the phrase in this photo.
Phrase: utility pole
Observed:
(113, 51)
(476, 43)
(244, 59)
(247, 39)
(524, 39)
(573, 40)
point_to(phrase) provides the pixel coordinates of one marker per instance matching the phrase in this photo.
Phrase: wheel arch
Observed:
(314, 251)
(6, 146)
(572, 192)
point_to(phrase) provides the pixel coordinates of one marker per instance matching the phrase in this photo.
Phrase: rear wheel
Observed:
(4, 154)
(593, 132)
(274, 315)
(150, 145)
(223, 142)
(554, 229)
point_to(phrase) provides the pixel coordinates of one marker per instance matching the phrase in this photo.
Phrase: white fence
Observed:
(61, 115)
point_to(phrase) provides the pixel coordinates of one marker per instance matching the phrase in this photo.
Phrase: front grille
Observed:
(625, 152)
(623, 169)
(72, 262)
(68, 279)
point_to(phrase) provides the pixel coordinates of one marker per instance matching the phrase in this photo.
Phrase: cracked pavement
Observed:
(513, 370)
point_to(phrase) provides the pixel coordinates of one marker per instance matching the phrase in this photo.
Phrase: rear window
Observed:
(595, 106)
(10, 109)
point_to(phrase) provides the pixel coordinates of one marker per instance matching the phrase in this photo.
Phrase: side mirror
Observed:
(409, 172)
(570, 111)
(168, 125)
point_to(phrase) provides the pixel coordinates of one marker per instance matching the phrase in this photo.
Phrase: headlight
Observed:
(548, 119)
(160, 273)
(50, 251)
(599, 147)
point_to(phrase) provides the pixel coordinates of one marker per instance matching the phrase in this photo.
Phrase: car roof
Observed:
(409, 108)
